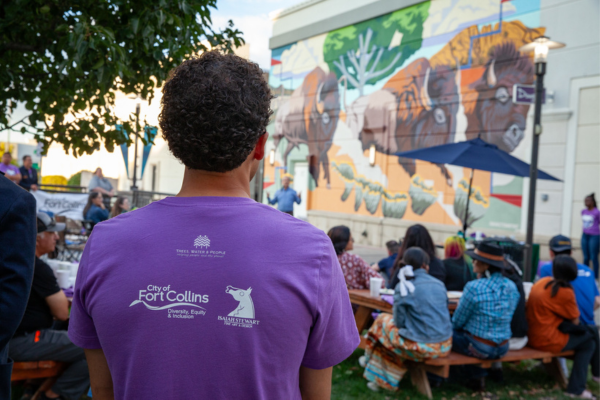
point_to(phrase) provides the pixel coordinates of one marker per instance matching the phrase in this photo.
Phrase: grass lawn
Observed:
(522, 381)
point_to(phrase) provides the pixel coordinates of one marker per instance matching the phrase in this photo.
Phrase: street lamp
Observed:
(540, 47)
(135, 157)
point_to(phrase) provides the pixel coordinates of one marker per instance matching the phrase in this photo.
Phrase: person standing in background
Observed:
(285, 197)
(9, 170)
(17, 254)
(590, 240)
(100, 184)
(29, 175)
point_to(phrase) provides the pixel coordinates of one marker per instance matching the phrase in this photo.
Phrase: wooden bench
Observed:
(50, 370)
(441, 366)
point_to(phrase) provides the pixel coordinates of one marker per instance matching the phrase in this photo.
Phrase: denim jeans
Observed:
(464, 343)
(590, 245)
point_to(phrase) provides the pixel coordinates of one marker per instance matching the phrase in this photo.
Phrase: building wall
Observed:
(301, 42)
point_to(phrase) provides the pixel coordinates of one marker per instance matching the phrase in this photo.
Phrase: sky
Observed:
(252, 18)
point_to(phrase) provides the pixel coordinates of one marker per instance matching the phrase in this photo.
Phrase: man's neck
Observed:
(198, 183)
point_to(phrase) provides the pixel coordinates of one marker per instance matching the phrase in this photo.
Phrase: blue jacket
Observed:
(96, 214)
(18, 229)
(423, 316)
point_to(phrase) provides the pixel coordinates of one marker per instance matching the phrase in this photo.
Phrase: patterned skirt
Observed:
(386, 350)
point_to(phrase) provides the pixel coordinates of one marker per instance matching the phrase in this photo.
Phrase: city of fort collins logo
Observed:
(202, 242)
(200, 248)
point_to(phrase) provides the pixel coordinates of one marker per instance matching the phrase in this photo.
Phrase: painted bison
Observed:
(415, 109)
(310, 117)
(488, 104)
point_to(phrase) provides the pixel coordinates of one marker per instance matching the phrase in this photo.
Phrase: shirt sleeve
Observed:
(546, 270)
(44, 281)
(82, 330)
(93, 183)
(333, 336)
(297, 198)
(461, 315)
(274, 199)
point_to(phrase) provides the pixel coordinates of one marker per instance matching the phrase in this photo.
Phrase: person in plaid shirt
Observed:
(482, 320)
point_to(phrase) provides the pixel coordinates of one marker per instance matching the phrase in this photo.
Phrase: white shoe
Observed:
(586, 394)
(362, 361)
(373, 386)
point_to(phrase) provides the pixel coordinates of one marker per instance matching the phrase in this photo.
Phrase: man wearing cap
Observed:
(585, 287)
(285, 197)
(34, 339)
(482, 321)
(17, 248)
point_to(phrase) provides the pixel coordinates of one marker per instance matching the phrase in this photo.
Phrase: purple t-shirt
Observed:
(591, 221)
(211, 298)
(9, 169)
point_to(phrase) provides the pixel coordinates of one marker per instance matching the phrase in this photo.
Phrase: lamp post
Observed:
(539, 47)
(135, 156)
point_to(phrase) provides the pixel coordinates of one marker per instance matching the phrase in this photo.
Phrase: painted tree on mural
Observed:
(370, 51)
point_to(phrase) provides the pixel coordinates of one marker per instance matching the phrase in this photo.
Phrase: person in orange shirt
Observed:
(551, 311)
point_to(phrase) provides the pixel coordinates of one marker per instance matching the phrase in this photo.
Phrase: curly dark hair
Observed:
(214, 109)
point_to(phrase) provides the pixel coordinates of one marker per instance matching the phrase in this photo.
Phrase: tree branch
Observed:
(342, 67)
(386, 69)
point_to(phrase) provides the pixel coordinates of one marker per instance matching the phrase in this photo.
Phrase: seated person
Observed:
(554, 324)
(459, 269)
(485, 311)
(585, 287)
(385, 265)
(95, 210)
(418, 236)
(419, 329)
(356, 271)
(34, 340)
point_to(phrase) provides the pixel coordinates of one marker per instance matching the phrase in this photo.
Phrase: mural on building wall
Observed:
(437, 72)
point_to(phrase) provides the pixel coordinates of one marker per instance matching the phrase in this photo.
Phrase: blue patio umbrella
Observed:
(474, 154)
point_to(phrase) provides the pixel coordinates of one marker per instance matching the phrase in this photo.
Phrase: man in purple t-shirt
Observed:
(190, 297)
(9, 170)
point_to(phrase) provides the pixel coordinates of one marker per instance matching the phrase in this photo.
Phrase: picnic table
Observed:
(367, 304)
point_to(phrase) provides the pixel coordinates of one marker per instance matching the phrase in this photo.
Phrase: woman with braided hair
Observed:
(553, 319)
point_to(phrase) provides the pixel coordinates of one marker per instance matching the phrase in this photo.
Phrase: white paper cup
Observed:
(72, 282)
(527, 289)
(73, 269)
(63, 278)
(375, 286)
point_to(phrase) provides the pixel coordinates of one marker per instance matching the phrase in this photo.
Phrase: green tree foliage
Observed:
(366, 53)
(65, 59)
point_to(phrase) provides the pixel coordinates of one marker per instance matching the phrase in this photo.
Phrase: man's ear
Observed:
(259, 149)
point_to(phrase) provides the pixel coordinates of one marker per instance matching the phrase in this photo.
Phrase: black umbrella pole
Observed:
(540, 71)
(466, 220)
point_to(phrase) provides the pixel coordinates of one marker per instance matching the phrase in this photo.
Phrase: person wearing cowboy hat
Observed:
(482, 320)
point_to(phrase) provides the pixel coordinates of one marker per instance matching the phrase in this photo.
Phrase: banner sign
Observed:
(66, 204)
(525, 94)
